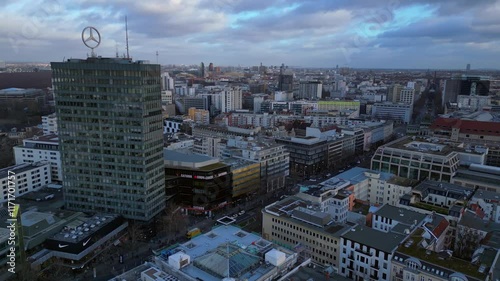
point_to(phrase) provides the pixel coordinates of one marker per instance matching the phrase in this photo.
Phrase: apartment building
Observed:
(24, 178)
(49, 124)
(293, 223)
(42, 148)
(442, 194)
(375, 187)
(487, 204)
(398, 220)
(366, 253)
(417, 159)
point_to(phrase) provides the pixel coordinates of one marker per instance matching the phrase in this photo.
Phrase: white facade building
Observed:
(24, 178)
(366, 253)
(43, 148)
(489, 203)
(393, 111)
(407, 96)
(49, 124)
(167, 82)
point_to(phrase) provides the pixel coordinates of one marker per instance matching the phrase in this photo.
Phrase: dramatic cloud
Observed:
(316, 33)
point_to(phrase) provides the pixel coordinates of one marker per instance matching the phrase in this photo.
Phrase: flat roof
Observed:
(295, 209)
(386, 242)
(83, 227)
(400, 214)
(209, 253)
(17, 169)
(357, 174)
(420, 145)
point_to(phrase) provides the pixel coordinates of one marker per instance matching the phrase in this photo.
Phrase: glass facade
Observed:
(110, 131)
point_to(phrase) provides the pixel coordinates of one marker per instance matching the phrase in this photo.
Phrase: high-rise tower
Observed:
(110, 131)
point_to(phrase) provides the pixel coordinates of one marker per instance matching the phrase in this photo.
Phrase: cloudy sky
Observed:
(315, 33)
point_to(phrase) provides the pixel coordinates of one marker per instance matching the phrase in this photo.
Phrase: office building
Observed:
(338, 105)
(293, 223)
(310, 90)
(49, 124)
(482, 177)
(308, 155)
(44, 148)
(417, 159)
(474, 134)
(28, 177)
(202, 184)
(273, 158)
(398, 112)
(467, 85)
(110, 131)
(245, 176)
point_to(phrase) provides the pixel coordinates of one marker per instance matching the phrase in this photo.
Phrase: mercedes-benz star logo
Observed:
(91, 37)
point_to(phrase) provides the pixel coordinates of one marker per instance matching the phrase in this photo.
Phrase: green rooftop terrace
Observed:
(457, 265)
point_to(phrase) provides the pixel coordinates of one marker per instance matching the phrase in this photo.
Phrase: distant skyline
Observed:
(309, 33)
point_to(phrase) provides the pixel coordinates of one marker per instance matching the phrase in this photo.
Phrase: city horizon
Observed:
(417, 35)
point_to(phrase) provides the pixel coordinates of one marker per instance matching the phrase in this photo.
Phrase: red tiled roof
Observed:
(467, 126)
(440, 228)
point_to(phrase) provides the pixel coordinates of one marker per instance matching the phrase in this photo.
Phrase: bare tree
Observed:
(467, 241)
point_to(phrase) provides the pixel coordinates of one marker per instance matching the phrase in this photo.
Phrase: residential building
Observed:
(407, 96)
(293, 223)
(224, 253)
(199, 116)
(366, 253)
(487, 204)
(394, 93)
(417, 159)
(473, 103)
(167, 97)
(44, 148)
(398, 112)
(49, 124)
(167, 82)
(111, 141)
(442, 194)
(393, 219)
(23, 178)
(377, 188)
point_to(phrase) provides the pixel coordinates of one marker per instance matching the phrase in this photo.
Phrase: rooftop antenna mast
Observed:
(116, 48)
(126, 36)
(156, 57)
